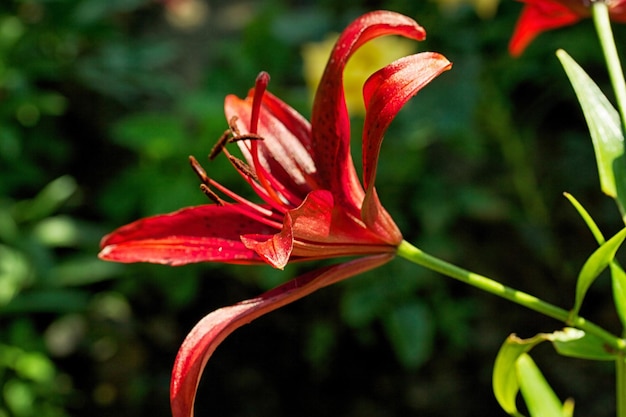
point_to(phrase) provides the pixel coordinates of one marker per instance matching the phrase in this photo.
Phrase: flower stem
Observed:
(419, 257)
(620, 384)
(602, 23)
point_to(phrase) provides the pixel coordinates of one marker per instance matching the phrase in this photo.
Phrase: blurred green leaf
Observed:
(604, 126)
(15, 273)
(411, 329)
(595, 264)
(154, 134)
(84, 270)
(47, 201)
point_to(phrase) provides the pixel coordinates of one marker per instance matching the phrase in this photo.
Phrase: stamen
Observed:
(212, 196)
(242, 167)
(232, 124)
(221, 143)
(249, 136)
(197, 168)
(260, 86)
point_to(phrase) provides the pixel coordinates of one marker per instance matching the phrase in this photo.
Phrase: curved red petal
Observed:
(386, 92)
(205, 337)
(330, 122)
(537, 17)
(195, 234)
(275, 250)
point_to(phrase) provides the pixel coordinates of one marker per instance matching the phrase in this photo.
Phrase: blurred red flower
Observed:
(541, 15)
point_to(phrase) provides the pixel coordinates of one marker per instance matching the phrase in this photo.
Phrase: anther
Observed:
(221, 143)
(247, 136)
(212, 196)
(232, 124)
(243, 167)
(197, 168)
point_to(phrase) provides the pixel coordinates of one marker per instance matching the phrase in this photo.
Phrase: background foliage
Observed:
(101, 102)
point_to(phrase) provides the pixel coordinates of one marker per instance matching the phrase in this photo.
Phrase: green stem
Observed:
(602, 23)
(417, 256)
(620, 384)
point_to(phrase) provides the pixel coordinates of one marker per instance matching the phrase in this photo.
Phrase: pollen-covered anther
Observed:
(200, 172)
(211, 195)
(248, 136)
(242, 167)
(221, 143)
(232, 125)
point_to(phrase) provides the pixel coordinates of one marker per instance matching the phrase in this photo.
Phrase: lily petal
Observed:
(195, 234)
(205, 337)
(386, 92)
(276, 249)
(330, 122)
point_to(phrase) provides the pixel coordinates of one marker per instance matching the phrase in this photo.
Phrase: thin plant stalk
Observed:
(419, 257)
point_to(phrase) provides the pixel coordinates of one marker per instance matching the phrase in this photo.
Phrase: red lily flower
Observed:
(314, 205)
(542, 15)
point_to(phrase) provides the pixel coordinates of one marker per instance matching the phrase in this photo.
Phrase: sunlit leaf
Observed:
(504, 379)
(514, 371)
(591, 224)
(604, 126)
(594, 265)
(538, 395)
(579, 344)
(618, 276)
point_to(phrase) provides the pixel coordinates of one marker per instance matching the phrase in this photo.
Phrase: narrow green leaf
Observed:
(594, 265)
(591, 224)
(538, 395)
(618, 276)
(618, 279)
(604, 126)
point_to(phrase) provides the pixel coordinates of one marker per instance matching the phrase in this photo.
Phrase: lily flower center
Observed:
(277, 196)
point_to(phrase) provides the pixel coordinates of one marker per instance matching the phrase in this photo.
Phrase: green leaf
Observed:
(594, 265)
(538, 395)
(576, 343)
(591, 224)
(513, 370)
(618, 276)
(604, 126)
(505, 379)
(47, 201)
